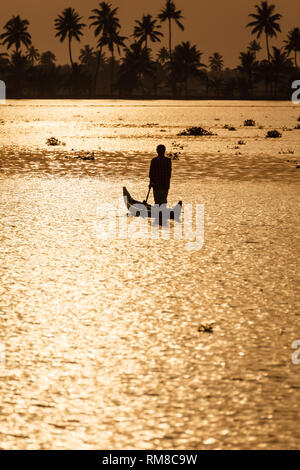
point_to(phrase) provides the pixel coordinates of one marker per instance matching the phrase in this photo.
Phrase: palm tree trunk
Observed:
(72, 65)
(70, 52)
(141, 84)
(269, 57)
(155, 86)
(250, 83)
(207, 84)
(266, 86)
(18, 77)
(274, 92)
(296, 63)
(112, 73)
(186, 86)
(268, 48)
(170, 38)
(97, 68)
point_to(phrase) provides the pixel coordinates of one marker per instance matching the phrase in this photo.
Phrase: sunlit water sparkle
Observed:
(102, 341)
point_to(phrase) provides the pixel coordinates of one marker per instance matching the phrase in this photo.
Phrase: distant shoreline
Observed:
(147, 98)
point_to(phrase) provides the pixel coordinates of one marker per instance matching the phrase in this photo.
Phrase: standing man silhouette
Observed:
(160, 176)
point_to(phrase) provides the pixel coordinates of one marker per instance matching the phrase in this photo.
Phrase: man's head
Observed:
(161, 150)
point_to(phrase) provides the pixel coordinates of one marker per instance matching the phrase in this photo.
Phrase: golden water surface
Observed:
(102, 343)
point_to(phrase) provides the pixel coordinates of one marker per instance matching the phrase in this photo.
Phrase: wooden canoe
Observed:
(140, 209)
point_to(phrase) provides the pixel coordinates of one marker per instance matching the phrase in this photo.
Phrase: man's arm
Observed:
(151, 175)
(170, 170)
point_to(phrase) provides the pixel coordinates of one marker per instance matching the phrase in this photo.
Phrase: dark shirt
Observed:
(160, 173)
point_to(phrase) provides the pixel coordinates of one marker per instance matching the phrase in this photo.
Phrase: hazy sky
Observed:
(214, 25)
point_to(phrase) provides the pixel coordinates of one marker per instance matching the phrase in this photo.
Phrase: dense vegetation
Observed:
(119, 67)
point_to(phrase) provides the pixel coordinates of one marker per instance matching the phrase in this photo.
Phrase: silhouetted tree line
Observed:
(175, 71)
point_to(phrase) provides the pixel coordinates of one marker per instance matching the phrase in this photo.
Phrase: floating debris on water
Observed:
(273, 135)
(229, 127)
(249, 123)
(196, 131)
(206, 328)
(286, 152)
(89, 156)
(176, 151)
(150, 124)
(53, 141)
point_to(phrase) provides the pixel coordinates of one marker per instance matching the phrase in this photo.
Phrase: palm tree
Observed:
(48, 60)
(293, 43)
(147, 28)
(103, 19)
(33, 55)
(113, 40)
(264, 73)
(163, 55)
(87, 55)
(218, 83)
(280, 64)
(135, 65)
(248, 67)
(68, 26)
(254, 47)
(216, 62)
(265, 21)
(18, 67)
(16, 33)
(186, 62)
(47, 77)
(88, 61)
(169, 13)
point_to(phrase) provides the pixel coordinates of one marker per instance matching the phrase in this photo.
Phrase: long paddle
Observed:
(145, 202)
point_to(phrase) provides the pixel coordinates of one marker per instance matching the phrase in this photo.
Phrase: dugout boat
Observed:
(142, 209)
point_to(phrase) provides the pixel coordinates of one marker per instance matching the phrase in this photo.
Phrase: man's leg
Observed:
(160, 196)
